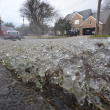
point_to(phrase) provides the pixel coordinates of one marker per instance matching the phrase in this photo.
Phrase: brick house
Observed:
(88, 26)
(77, 18)
(85, 22)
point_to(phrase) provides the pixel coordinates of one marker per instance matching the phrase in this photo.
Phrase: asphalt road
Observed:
(15, 95)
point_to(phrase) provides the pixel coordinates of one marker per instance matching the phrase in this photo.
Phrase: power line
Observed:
(70, 6)
(73, 5)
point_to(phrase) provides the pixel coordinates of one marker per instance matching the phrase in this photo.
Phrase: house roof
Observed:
(88, 18)
(84, 13)
(103, 16)
(67, 16)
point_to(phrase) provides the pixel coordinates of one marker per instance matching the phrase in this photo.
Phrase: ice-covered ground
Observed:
(76, 65)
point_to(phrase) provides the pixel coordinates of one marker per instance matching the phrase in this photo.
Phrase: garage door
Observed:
(88, 31)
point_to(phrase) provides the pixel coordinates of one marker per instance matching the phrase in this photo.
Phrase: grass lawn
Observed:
(30, 37)
(101, 36)
(46, 37)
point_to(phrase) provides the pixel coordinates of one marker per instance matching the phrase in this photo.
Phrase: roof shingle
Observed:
(103, 16)
(84, 13)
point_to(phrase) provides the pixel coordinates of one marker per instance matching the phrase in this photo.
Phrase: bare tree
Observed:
(1, 22)
(38, 12)
(106, 5)
(9, 24)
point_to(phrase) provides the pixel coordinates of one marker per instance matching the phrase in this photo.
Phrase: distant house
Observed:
(77, 18)
(90, 23)
(58, 33)
(50, 31)
(85, 22)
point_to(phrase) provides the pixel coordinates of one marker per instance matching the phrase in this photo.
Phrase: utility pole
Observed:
(23, 25)
(98, 16)
(0, 21)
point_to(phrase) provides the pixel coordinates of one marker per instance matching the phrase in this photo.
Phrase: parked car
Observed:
(87, 32)
(93, 32)
(71, 33)
(9, 33)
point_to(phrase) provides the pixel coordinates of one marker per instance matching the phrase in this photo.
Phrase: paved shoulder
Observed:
(15, 95)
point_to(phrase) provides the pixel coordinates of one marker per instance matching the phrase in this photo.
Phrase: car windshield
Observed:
(6, 28)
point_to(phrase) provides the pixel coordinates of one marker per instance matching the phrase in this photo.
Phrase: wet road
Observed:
(15, 95)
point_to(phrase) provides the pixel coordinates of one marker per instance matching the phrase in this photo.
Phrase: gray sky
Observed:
(9, 9)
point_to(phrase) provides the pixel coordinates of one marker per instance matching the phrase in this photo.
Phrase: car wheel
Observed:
(76, 34)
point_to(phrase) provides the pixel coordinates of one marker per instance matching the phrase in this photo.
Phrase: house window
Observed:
(76, 21)
(90, 22)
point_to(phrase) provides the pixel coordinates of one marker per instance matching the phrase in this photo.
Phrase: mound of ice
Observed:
(74, 65)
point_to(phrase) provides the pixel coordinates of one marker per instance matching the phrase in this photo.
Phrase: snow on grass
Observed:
(75, 65)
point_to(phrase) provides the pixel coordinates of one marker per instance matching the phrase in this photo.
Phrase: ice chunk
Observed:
(67, 83)
(93, 83)
(95, 99)
(106, 94)
(80, 95)
(42, 72)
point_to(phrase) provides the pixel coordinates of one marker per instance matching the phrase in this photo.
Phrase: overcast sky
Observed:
(9, 9)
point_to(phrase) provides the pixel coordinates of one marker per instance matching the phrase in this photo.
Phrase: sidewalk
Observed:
(15, 95)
